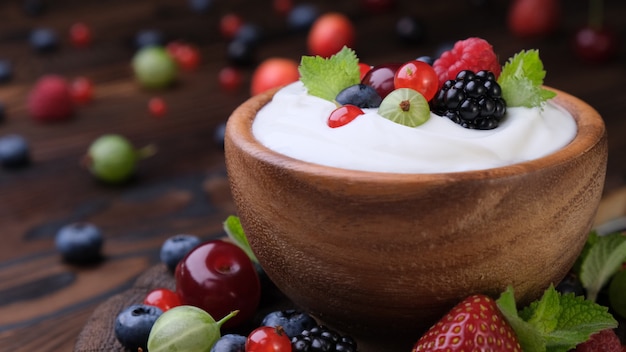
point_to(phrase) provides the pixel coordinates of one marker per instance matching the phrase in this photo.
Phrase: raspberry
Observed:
(603, 341)
(472, 100)
(474, 54)
(322, 339)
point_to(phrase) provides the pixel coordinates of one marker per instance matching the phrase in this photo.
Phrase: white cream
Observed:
(294, 124)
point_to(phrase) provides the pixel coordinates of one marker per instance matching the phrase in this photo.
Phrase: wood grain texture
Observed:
(45, 303)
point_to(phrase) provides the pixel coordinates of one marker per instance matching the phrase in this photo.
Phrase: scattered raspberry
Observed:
(51, 99)
(604, 341)
(474, 54)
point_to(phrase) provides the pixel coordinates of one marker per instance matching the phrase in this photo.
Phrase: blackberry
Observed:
(472, 100)
(322, 339)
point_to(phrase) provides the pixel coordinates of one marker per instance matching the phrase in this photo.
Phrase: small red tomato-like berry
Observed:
(80, 35)
(329, 33)
(230, 24)
(81, 89)
(230, 79)
(364, 69)
(343, 115)
(186, 55)
(162, 298)
(272, 73)
(268, 339)
(418, 76)
(157, 107)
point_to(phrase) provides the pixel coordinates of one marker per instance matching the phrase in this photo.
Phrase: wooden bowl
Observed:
(382, 256)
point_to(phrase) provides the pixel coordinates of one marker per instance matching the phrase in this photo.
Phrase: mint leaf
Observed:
(326, 77)
(555, 323)
(235, 232)
(521, 80)
(602, 261)
(592, 239)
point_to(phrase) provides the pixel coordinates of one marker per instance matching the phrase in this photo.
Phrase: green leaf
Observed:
(528, 336)
(326, 77)
(602, 261)
(521, 80)
(234, 230)
(592, 239)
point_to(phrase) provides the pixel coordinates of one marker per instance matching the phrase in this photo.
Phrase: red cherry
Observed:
(343, 115)
(381, 78)
(219, 277)
(162, 298)
(157, 107)
(81, 89)
(80, 35)
(230, 24)
(230, 79)
(364, 68)
(418, 76)
(532, 18)
(596, 45)
(329, 33)
(272, 73)
(268, 339)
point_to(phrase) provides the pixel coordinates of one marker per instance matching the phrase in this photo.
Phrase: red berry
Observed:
(186, 55)
(272, 73)
(162, 298)
(329, 33)
(475, 324)
(80, 35)
(605, 341)
(343, 115)
(268, 339)
(596, 45)
(230, 24)
(282, 7)
(533, 18)
(157, 107)
(230, 79)
(219, 277)
(51, 99)
(364, 69)
(381, 78)
(474, 54)
(418, 76)
(82, 90)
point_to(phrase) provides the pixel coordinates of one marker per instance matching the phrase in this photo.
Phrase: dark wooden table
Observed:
(44, 302)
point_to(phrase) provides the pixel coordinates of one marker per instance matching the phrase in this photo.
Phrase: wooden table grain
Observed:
(44, 302)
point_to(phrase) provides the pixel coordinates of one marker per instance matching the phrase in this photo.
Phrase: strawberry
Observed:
(603, 341)
(475, 324)
(51, 99)
(474, 54)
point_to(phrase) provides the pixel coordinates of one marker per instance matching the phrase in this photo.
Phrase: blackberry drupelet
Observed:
(322, 339)
(472, 100)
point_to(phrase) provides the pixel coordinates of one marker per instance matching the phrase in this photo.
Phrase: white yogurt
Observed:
(294, 124)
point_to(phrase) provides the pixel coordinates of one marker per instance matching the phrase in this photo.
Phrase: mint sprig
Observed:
(521, 80)
(601, 261)
(555, 322)
(234, 230)
(326, 77)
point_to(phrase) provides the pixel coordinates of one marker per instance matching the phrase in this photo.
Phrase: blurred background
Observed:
(86, 54)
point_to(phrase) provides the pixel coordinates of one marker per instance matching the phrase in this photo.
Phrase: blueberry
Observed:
(361, 95)
(133, 324)
(149, 37)
(293, 321)
(571, 284)
(248, 33)
(302, 16)
(79, 242)
(6, 71)
(200, 6)
(218, 135)
(427, 59)
(410, 30)
(176, 247)
(14, 150)
(240, 52)
(44, 40)
(230, 343)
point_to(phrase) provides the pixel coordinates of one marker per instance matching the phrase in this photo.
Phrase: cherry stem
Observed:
(596, 13)
(146, 152)
(227, 318)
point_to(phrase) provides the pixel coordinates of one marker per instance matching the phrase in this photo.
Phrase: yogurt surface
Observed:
(294, 124)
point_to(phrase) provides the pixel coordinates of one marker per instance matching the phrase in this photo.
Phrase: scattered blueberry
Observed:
(79, 242)
(149, 37)
(230, 343)
(218, 135)
(571, 284)
(14, 150)
(34, 8)
(293, 321)
(44, 40)
(176, 247)
(410, 30)
(302, 16)
(6, 71)
(427, 59)
(240, 52)
(361, 95)
(200, 6)
(133, 324)
(248, 33)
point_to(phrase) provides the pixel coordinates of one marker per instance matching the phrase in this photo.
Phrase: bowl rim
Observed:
(591, 130)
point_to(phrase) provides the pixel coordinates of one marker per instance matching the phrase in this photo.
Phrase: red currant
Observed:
(186, 55)
(162, 298)
(81, 89)
(268, 339)
(157, 107)
(364, 68)
(230, 79)
(229, 25)
(80, 35)
(418, 76)
(343, 115)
